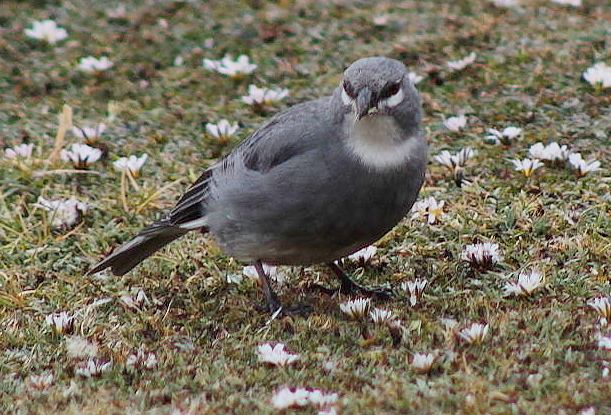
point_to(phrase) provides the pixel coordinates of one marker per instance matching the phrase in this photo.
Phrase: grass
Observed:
(541, 353)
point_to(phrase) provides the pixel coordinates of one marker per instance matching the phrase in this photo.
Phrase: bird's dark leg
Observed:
(272, 299)
(350, 287)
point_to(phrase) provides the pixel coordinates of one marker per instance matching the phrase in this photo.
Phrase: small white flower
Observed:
(604, 342)
(89, 133)
(462, 63)
(227, 66)
(60, 322)
(428, 208)
(92, 368)
(275, 355)
(296, 397)
(46, 30)
(357, 308)
(91, 64)
(22, 150)
(423, 362)
(64, 212)
(78, 347)
(143, 359)
(583, 167)
(599, 74)
(455, 123)
(452, 161)
(381, 19)
(602, 305)
(290, 398)
(81, 155)
(506, 136)
(526, 166)
(551, 152)
(526, 285)
(414, 78)
(484, 254)
(591, 410)
(574, 3)
(475, 333)
(363, 255)
(414, 289)
(40, 382)
(262, 96)
(132, 302)
(505, 3)
(132, 164)
(223, 129)
(381, 316)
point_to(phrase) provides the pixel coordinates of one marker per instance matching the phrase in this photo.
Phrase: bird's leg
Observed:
(349, 287)
(272, 299)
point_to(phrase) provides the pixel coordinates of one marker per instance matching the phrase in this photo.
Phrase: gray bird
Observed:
(319, 181)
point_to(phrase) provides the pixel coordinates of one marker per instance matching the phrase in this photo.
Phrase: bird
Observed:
(317, 182)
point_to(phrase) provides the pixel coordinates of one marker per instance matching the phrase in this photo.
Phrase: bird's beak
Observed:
(363, 103)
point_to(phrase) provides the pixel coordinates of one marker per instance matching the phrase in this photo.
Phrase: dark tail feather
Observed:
(147, 242)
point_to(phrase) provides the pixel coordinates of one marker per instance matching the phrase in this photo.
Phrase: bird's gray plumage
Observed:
(319, 181)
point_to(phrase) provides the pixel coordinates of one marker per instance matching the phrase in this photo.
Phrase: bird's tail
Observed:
(147, 242)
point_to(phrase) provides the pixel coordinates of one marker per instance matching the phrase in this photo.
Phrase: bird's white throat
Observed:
(378, 141)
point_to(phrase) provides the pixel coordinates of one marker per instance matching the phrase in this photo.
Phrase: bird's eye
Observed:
(390, 89)
(349, 90)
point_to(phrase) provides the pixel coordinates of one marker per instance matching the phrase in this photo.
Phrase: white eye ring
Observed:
(346, 98)
(393, 100)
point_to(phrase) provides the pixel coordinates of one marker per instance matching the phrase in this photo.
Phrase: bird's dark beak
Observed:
(363, 103)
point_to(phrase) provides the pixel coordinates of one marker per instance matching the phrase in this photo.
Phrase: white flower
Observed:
(91, 64)
(135, 303)
(552, 151)
(423, 362)
(414, 78)
(81, 155)
(591, 410)
(261, 96)
(46, 30)
(462, 63)
(222, 129)
(132, 164)
(429, 209)
(147, 360)
(485, 254)
(505, 3)
(357, 308)
(604, 342)
(228, 66)
(599, 74)
(275, 355)
(455, 123)
(295, 397)
(602, 305)
(78, 347)
(414, 289)
(64, 212)
(451, 161)
(381, 316)
(526, 166)
(583, 167)
(363, 255)
(89, 133)
(40, 382)
(526, 285)
(91, 368)
(474, 334)
(505, 136)
(574, 3)
(22, 150)
(60, 322)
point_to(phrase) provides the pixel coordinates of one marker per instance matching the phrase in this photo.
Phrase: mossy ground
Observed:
(541, 354)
